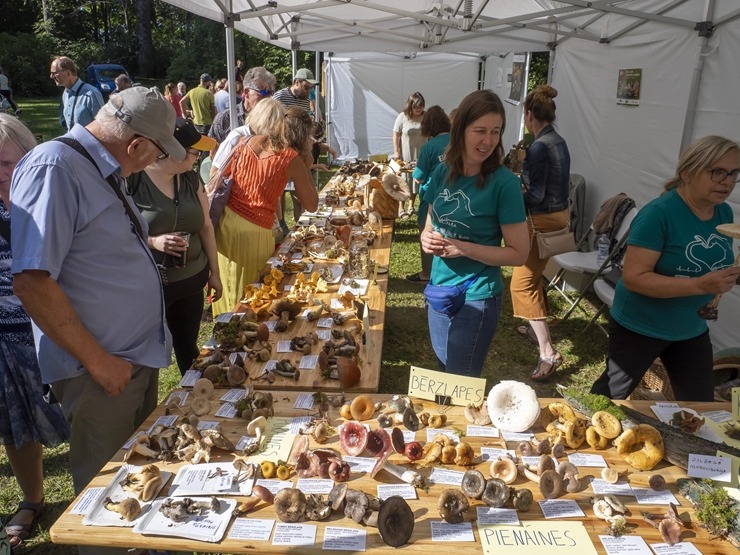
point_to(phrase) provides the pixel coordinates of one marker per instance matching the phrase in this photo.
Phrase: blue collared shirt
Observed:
(69, 222)
(81, 103)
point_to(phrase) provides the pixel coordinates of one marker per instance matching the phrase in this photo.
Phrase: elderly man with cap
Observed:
(85, 275)
(202, 104)
(297, 93)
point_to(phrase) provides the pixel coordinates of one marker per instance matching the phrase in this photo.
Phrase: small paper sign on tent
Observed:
(446, 389)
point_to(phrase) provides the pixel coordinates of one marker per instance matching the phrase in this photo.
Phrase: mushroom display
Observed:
(395, 521)
(353, 438)
(610, 475)
(256, 428)
(551, 484)
(606, 424)
(477, 414)
(513, 406)
(146, 483)
(452, 505)
(128, 508)
(286, 310)
(656, 482)
(504, 469)
(521, 499)
(496, 493)
(362, 408)
(641, 447)
(473, 483)
(669, 524)
(356, 504)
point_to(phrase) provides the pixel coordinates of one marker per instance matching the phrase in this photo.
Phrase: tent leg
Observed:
(231, 71)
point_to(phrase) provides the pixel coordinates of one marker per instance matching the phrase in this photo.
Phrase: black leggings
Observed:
(183, 303)
(688, 364)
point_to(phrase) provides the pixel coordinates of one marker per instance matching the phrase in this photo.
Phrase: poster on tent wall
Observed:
(628, 87)
(518, 72)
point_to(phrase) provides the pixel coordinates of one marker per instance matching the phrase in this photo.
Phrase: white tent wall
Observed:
(367, 94)
(634, 149)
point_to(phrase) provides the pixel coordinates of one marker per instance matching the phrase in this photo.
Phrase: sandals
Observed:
(18, 533)
(546, 367)
(528, 332)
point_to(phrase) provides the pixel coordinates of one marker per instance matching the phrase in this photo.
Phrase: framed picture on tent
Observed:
(628, 87)
(518, 74)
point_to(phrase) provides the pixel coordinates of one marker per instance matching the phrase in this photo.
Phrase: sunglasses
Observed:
(261, 92)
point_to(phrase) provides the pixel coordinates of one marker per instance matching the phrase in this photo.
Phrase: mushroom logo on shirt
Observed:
(447, 206)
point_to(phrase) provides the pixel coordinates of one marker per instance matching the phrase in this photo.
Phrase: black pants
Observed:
(688, 364)
(9, 97)
(183, 302)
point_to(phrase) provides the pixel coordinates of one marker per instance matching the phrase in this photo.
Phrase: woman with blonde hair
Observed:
(171, 93)
(264, 164)
(545, 182)
(27, 421)
(408, 139)
(675, 262)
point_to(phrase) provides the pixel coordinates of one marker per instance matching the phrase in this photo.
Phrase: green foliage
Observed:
(25, 59)
(538, 65)
(716, 510)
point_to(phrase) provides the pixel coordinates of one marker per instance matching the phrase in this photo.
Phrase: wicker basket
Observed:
(382, 203)
(655, 385)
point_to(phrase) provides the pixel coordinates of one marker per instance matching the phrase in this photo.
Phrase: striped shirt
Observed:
(288, 99)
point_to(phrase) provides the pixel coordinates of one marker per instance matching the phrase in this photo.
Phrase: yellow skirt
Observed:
(243, 249)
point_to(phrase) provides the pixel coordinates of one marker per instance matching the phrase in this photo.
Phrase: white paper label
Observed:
(492, 515)
(299, 424)
(431, 432)
(271, 324)
(560, 508)
(634, 545)
(207, 425)
(718, 416)
(604, 488)
(344, 539)
(647, 496)
(481, 431)
(294, 534)
(324, 323)
(315, 485)
(190, 377)
(360, 464)
(445, 532)
(444, 476)
(179, 397)
(274, 485)
(683, 548)
(587, 459)
(517, 436)
(707, 466)
(324, 335)
(251, 529)
(227, 410)
(284, 346)
(491, 453)
(308, 362)
(86, 502)
(304, 401)
(407, 491)
(234, 395)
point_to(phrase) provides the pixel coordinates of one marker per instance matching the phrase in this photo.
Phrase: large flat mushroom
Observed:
(395, 521)
(513, 406)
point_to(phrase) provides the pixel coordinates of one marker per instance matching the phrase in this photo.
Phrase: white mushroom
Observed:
(513, 406)
(257, 428)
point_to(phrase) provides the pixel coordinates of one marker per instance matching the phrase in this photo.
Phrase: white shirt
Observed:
(230, 142)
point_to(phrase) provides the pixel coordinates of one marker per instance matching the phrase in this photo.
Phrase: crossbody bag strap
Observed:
(75, 144)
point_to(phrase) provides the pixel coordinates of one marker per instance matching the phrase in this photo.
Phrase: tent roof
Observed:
(481, 26)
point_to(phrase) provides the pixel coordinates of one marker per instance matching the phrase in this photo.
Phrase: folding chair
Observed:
(605, 292)
(588, 263)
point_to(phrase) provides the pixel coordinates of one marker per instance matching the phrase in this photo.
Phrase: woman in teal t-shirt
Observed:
(675, 263)
(474, 203)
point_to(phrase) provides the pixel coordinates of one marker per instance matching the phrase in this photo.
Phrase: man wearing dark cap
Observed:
(202, 104)
(297, 93)
(84, 272)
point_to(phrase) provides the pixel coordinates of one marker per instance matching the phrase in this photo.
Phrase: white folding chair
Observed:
(588, 263)
(605, 292)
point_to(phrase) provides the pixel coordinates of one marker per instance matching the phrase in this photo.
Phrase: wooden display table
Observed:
(69, 529)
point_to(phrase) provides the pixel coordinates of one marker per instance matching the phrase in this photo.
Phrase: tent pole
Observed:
(293, 64)
(705, 28)
(231, 70)
(327, 99)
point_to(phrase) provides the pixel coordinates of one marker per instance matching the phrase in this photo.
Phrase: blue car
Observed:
(102, 77)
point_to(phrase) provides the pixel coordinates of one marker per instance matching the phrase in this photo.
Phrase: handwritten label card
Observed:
(560, 508)
(294, 534)
(536, 537)
(492, 515)
(445, 532)
(344, 539)
(251, 529)
(430, 384)
(633, 545)
(706, 466)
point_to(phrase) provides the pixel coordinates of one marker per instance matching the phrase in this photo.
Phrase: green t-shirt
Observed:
(688, 247)
(463, 211)
(202, 102)
(430, 155)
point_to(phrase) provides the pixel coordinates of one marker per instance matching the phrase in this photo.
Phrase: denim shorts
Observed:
(461, 342)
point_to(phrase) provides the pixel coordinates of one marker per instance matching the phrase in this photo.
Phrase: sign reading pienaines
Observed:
(433, 386)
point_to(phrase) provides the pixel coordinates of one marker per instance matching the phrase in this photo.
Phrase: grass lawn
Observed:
(406, 342)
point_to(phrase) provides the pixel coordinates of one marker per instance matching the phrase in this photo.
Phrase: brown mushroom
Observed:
(286, 310)
(670, 531)
(236, 375)
(558, 450)
(290, 504)
(398, 441)
(128, 508)
(410, 420)
(464, 454)
(348, 372)
(473, 483)
(336, 495)
(452, 505)
(362, 408)
(521, 499)
(414, 451)
(551, 484)
(496, 493)
(656, 482)
(355, 505)
(395, 521)
(204, 387)
(200, 406)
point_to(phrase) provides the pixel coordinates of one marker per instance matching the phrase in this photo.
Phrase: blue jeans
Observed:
(461, 342)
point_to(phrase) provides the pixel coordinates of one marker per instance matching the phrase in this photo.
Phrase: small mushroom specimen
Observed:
(437, 420)
(477, 414)
(353, 438)
(290, 504)
(668, 524)
(641, 447)
(362, 408)
(140, 446)
(558, 450)
(513, 406)
(452, 505)
(128, 508)
(464, 454)
(496, 493)
(551, 484)
(656, 482)
(256, 428)
(473, 483)
(569, 473)
(355, 505)
(145, 483)
(410, 419)
(595, 440)
(414, 450)
(203, 388)
(606, 424)
(200, 406)
(534, 472)
(398, 441)
(524, 448)
(317, 507)
(610, 475)
(521, 498)
(504, 469)
(395, 521)
(336, 495)
(286, 310)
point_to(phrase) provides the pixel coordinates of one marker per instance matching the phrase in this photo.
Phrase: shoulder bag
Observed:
(218, 188)
(550, 243)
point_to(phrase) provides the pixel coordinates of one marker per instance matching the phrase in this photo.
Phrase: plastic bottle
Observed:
(602, 246)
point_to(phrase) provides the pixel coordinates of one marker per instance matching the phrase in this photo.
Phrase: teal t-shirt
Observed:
(688, 247)
(430, 155)
(463, 211)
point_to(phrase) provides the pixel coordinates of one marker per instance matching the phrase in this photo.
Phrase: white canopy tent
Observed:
(685, 49)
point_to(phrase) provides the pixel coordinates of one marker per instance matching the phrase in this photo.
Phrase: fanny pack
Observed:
(448, 299)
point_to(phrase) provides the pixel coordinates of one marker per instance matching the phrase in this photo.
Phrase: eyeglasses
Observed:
(193, 152)
(261, 92)
(54, 73)
(164, 154)
(720, 174)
